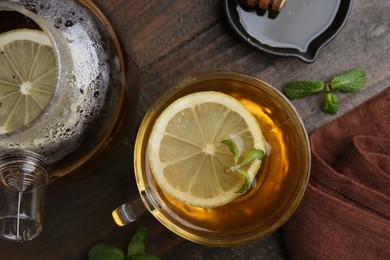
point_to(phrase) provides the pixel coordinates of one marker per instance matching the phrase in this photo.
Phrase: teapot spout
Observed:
(23, 177)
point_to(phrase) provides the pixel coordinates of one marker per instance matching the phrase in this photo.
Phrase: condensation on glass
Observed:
(81, 115)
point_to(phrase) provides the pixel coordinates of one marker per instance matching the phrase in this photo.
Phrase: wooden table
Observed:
(169, 40)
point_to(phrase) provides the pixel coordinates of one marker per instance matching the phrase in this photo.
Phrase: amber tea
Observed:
(277, 187)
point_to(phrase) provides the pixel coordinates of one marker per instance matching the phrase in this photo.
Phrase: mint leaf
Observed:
(135, 247)
(330, 104)
(253, 155)
(232, 147)
(350, 81)
(247, 184)
(144, 256)
(136, 244)
(300, 89)
(139, 235)
(105, 252)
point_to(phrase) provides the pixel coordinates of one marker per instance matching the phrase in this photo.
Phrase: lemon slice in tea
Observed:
(187, 158)
(28, 77)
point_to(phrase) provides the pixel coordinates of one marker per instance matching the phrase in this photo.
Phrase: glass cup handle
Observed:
(129, 211)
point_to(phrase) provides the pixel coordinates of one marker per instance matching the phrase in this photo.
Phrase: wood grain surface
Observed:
(167, 40)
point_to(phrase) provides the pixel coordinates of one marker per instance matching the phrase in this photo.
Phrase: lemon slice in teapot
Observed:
(28, 77)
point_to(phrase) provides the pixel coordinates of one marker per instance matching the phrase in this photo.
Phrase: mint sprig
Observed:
(349, 81)
(135, 249)
(249, 157)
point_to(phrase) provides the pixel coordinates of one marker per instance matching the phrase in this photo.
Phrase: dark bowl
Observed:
(237, 13)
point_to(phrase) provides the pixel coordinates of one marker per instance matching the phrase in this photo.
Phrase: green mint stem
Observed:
(233, 168)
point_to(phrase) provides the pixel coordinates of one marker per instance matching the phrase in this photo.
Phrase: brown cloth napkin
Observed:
(345, 212)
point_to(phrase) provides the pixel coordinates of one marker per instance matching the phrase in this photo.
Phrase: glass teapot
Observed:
(43, 137)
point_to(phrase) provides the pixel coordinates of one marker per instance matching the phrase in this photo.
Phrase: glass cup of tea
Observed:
(275, 191)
